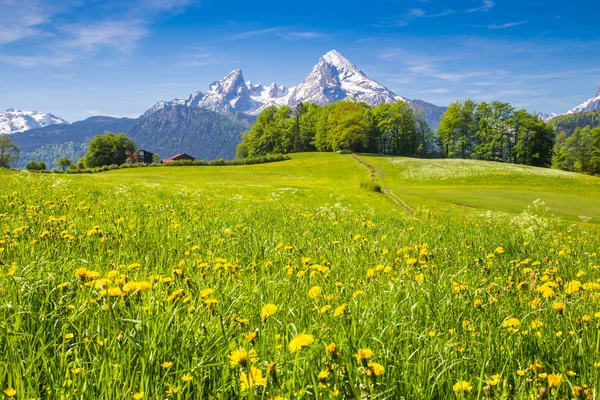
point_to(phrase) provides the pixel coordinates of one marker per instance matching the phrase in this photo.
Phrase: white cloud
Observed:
(410, 15)
(507, 25)
(285, 32)
(21, 19)
(486, 6)
(35, 61)
(121, 35)
(437, 91)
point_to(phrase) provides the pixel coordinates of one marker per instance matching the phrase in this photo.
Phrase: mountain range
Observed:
(333, 78)
(208, 125)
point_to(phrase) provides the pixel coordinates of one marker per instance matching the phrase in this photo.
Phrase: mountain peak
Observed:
(597, 92)
(15, 120)
(336, 59)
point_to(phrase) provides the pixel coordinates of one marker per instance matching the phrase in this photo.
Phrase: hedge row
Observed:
(182, 163)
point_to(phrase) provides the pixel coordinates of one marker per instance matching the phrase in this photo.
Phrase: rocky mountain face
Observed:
(592, 104)
(333, 78)
(15, 120)
(199, 132)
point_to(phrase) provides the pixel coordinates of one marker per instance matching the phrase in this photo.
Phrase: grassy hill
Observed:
(291, 280)
(447, 185)
(483, 185)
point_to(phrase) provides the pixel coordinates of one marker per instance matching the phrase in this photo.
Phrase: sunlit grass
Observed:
(285, 280)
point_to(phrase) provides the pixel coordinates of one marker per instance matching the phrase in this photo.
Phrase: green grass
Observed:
(430, 293)
(484, 186)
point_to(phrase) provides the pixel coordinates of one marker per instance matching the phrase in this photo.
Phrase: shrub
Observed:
(372, 186)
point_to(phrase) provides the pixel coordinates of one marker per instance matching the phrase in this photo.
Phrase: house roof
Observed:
(176, 157)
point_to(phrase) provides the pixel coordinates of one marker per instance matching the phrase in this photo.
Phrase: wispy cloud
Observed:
(429, 69)
(410, 15)
(507, 25)
(437, 91)
(486, 6)
(121, 35)
(35, 61)
(22, 19)
(200, 57)
(284, 32)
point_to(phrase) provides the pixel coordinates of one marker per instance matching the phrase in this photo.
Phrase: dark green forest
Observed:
(570, 122)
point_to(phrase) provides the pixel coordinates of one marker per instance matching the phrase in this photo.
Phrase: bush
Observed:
(372, 186)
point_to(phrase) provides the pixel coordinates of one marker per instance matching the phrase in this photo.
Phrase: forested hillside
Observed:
(570, 122)
(198, 132)
(52, 142)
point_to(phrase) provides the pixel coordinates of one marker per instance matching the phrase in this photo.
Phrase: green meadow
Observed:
(292, 280)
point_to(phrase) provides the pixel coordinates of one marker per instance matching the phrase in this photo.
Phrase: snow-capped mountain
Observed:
(546, 117)
(592, 104)
(333, 78)
(14, 120)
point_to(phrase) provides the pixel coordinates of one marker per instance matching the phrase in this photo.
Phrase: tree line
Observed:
(579, 152)
(342, 126)
(496, 131)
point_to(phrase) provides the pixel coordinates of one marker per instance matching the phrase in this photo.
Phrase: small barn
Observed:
(144, 157)
(177, 157)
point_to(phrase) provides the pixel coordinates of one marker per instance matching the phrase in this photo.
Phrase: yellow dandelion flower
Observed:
(364, 354)
(167, 364)
(172, 390)
(251, 379)
(186, 378)
(242, 357)
(332, 350)
(314, 292)
(462, 387)
(10, 392)
(300, 341)
(69, 336)
(323, 375)
(206, 292)
(138, 396)
(339, 311)
(535, 324)
(494, 380)
(511, 323)
(267, 310)
(376, 368)
(573, 287)
(554, 380)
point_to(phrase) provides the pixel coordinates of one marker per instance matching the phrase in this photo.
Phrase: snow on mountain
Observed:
(546, 117)
(333, 78)
(14, 120)
(592, 104)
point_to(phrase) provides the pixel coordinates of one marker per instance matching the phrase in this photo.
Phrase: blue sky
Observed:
(77, 58)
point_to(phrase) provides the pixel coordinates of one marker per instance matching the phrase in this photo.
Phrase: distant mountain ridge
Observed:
(199, 132)
(333, 78)
(49, 143)
(14, 120)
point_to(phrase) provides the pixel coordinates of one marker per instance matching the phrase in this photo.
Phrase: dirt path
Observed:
(386, 191)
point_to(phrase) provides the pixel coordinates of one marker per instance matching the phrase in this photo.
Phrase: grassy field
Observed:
(289, 280)
(484, 186)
